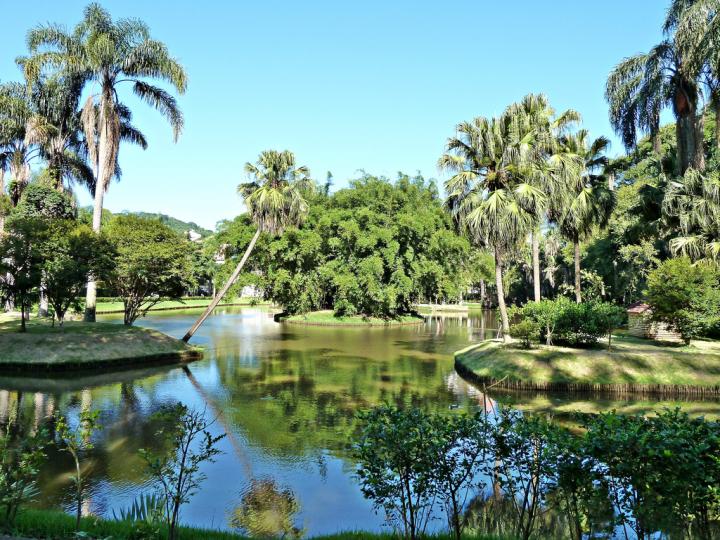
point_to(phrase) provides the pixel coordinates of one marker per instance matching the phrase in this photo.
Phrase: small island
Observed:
(633, 365)
(78, 346)
(328, 318)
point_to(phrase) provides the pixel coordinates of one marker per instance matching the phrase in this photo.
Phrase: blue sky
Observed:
(373, 85)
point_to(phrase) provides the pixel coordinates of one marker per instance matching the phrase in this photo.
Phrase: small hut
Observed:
(641, 325)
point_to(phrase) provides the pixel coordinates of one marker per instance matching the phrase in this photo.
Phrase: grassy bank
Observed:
(117, 307)
(327, 318)
(633, 365)
(80, 345)
(60, 526)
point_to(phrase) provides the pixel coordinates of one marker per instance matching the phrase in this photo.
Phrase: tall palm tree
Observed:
(696, 25)
(275, 200)
(588, 202)
(694, 201)
(538, 132)
(488, 194)
(670, 74)
(107, 54)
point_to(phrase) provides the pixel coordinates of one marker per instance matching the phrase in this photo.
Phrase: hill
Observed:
(175, 224)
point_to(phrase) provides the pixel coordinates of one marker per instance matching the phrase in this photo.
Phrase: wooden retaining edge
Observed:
(30, 369)
(666, 390)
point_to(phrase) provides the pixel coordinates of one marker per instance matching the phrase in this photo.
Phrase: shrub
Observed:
(570, 323)
(685, 296)
(527, 330)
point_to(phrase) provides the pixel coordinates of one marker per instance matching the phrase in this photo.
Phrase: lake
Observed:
(285, 395)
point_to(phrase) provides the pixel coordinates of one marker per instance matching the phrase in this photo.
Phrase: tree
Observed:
(685, 296)
(539, 133)
(108, 53)
(22, 249)
(152, 262)
(693, 201)
(488, 195)
(641, 86)
(189, 443)
(587, 202)
(275, 200)
(71, 253)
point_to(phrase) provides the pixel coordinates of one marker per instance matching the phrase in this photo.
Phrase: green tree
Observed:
(487, 194)
(108, 53)
(22, 249)
(152, 262)
(685, 296)
(587, 203)
(670, 74)
(275, 200)
(693, 201)
(71, 253)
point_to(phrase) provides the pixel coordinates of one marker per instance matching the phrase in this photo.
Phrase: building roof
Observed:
(638, 308)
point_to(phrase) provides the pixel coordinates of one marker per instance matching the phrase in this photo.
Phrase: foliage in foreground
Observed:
(627, 473)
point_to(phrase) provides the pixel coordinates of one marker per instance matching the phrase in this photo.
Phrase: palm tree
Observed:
(487, 194)
(539, 132)
(670, 74)
(275, 199)
(107, 53)
(588, 202)
(694, 201)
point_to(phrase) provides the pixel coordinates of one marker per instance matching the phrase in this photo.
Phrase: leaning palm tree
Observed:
(107, 53)
(274, 198)
(587, 202)
(488, 194)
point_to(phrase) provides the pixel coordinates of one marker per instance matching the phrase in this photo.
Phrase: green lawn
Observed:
(82, 345)
(632, 361)
(61, 526)
(327, 318)
(117, 307)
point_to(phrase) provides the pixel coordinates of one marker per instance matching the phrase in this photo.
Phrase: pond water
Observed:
(285, 395)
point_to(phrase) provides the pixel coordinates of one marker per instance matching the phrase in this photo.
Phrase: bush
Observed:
(686, 297)
(527, 331)
(570, 323)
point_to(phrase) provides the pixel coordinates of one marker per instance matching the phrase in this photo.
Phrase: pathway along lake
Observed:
(286, 395)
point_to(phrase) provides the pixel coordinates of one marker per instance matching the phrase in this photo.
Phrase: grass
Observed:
(79, 345)
(117, 307)
(60, 526)
(328, 318)
(632, 362)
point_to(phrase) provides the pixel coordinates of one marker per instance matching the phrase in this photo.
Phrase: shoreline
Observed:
(326, 319)
(479, 358)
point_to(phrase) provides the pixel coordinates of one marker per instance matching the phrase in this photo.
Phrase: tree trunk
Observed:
(536, 263)
(43, 306)
(578, 295)
(224, 290)
(2, 193)
(716, 108)
(688, 128)
(501, 298)
(104, 171)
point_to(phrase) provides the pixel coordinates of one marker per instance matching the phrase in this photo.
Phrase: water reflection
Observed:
(285, 395)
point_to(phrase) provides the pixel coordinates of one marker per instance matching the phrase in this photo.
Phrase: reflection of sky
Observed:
(245, 350)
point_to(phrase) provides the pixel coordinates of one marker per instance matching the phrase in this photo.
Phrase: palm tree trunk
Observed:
(535, 240)
(104, 171)
(578, 294)
(655, 138)
(501, 298)
(224, 290)
(688, 128)
(2, 192)
(716, 107)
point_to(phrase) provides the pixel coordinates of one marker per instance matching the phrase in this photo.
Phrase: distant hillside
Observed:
(174, 223)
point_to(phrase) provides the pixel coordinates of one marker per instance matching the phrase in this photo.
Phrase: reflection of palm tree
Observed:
(220, 417)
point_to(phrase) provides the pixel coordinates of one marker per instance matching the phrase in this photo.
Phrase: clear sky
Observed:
(375, 85)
